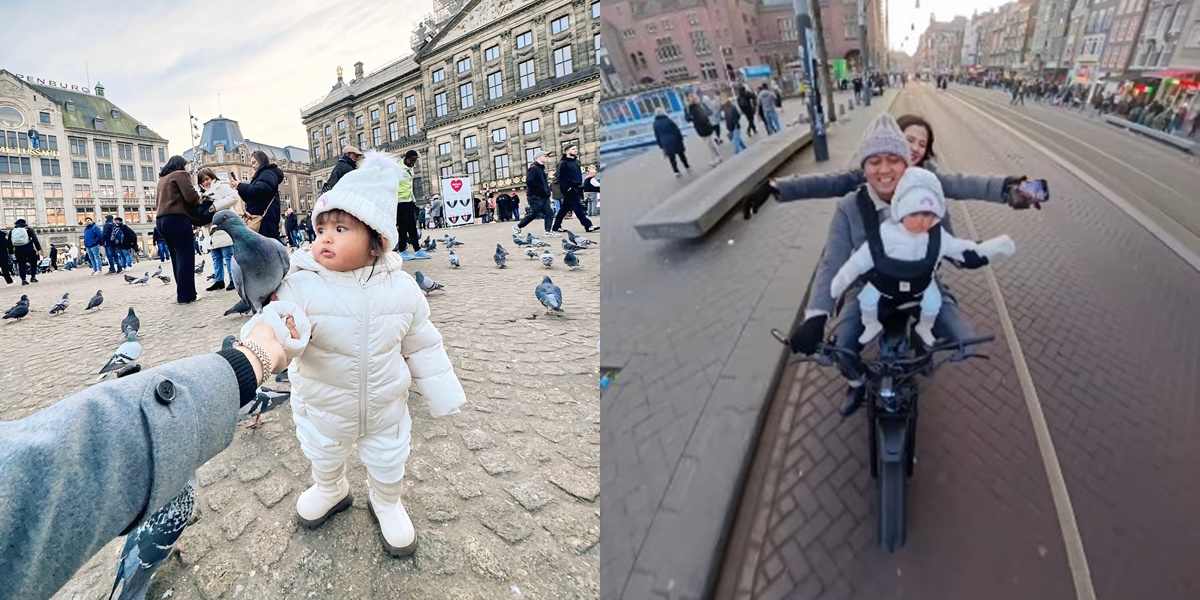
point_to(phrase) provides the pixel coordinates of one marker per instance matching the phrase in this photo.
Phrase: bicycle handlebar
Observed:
(826, 351)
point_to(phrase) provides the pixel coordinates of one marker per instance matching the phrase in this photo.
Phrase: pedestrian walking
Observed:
(53, 257)
(515, 201)
(291, 225)
(112, 236)
(345, 164)
(698, 116)
(163, 254)
(93, 242)
(6, 253)
(404, 349)
(670, 139)
(768, 102)
(537, 188)
(748, 103)
(129, 243)
(27, 250)
(733, 118)
(569, 176)
(177, 199)
(220, 245)
(406, 211)
(714, 115)
(436, 208)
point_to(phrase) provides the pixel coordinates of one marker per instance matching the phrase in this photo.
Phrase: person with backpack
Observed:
(27, 249)
(129, 243)
(112, 236)
(93, 241)
(6, 251)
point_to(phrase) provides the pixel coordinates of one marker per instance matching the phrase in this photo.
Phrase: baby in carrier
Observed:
(901, 255)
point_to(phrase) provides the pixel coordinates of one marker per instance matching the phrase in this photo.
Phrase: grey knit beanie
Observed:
(884, 136)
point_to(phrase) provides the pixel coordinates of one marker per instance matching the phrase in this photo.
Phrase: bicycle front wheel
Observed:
(892, 496)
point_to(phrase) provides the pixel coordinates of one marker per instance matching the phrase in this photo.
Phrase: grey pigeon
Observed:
(529, 238)
(265, 400)
(61, 306)
(499, 258)
(164, 278)
(500, 249)
(578, 239)
(96, 301)
(129, 278)
(428, 285)
(144, 278)
(130, 323)
(531, 252)
(572, 247)
(240, 308)
(547, 259)
(539, 243)
(571, 260)
(157, 271)
(19, 310)
(549, 295)
(282, 377)
(425, 244)
(227, 343)
(432, 245)
(125, 355)
(454, 260)
(152, 543)
(520, 241)
(259, 263)
(453, 243)
(200, 269)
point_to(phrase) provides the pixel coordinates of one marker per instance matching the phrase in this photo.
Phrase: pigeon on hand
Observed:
(96, 301)
(130, 323)
(19, 310)
(129, 279)
(157, 271)
(259, 263)
(572, 247)
(499, 258)
(520, 241)
(531, 252)
(152, 543)
(125, 355)
(144, 278)
(227, 343)
(500, 250)
(549, 295)
(428, 285)
(240, 308)
(61, 306)
(265, 400)
(571, 260)
(200, 269)
(547, 259)
(454, 260)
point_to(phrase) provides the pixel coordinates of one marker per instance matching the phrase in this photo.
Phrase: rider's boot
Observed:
(871, 326)
(924, 329)
(854, 398)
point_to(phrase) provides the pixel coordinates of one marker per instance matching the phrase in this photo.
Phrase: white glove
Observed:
(275, 314)
(997, 246)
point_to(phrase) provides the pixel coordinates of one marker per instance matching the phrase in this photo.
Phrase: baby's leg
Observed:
(330, 493)
(868, 300)
(931, 305)
(384, 455)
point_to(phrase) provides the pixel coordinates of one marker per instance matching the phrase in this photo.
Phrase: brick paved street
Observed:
(504, 495)
(1102, 312)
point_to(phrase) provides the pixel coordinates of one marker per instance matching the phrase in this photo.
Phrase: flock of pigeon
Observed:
(548, 294)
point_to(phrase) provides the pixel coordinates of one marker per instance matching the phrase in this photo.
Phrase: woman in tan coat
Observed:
(176, 198)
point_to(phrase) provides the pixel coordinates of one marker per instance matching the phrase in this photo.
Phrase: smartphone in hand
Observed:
(1038, 188)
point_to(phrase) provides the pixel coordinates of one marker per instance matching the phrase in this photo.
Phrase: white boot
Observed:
(924, 329)
(399, 536)
(329, 495)
(871, 326)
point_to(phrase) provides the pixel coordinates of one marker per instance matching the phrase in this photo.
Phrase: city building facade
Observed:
(69, 153)
(1124, 26)
(1050, 36)
(489, 84)
(1161, 33)
(223, 149)
(940, 46)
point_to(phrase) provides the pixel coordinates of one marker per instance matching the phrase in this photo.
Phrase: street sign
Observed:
(756, 71)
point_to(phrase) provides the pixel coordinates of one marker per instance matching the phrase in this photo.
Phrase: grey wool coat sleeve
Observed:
(77, 474)
(820, 185)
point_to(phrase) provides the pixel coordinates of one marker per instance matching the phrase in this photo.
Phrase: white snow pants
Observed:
(384, 453)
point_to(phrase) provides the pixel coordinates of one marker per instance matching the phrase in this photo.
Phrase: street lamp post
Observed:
(865, 52)
(816, 114)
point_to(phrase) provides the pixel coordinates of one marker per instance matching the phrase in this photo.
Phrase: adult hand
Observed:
(233, 183)
(264, 335)
(757, 197)
(971, 260)
(1018, 198)
(806, 336)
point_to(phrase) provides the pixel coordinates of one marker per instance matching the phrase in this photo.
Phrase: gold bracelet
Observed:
(263, 358)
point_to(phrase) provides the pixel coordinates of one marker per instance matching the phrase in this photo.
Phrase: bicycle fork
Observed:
(892, 426)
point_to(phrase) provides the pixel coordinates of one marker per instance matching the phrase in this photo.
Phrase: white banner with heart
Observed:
(457, 203)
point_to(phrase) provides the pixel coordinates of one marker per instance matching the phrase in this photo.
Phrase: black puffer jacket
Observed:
(262, 198)
(569, 177)
(344, 165)
(536, 183)
(698, 115)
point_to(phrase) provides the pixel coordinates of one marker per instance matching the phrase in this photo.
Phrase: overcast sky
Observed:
(265, 58)
(904, 14)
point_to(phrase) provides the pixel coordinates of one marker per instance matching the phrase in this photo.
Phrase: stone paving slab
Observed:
(530, 524)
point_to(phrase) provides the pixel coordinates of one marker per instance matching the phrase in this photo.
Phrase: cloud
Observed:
(265, 59)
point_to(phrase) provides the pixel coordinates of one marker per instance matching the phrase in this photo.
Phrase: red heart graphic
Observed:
(456, 184)
(454, 218)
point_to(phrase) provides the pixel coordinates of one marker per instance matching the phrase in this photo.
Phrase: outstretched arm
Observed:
(818, 185)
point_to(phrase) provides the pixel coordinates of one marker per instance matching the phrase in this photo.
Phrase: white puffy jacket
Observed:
(224, 198)
(371, 339)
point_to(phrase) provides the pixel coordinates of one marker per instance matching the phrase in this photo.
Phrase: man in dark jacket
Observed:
(27, 249)
(747, 102)
(110, 240)
(537, 187)
(164, 253)
(670, 139)
(292, 225)
(129, 242)
(570, 180)
(93, 242)
(6, 251)
(348, 162)
(308, 228)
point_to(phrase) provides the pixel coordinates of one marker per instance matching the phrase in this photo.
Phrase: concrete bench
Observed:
(697, 207)
(1162, 136)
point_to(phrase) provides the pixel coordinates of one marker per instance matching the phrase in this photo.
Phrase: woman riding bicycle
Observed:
(884, 154)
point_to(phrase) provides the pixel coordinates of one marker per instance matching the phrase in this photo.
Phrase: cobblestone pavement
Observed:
(504, 495)
(1102, 313)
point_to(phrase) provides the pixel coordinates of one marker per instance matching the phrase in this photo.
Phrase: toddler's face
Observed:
(343, 243)
(919, 222)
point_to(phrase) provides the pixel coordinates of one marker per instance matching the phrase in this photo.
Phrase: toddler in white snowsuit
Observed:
(369, 340)
(910, 245)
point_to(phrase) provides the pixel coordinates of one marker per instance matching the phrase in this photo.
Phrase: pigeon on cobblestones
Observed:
(572, 247)
(144, 278)
(126, 355)
(200, 269)
(259, 264)
(61, 306)
(157, 271)
(19, 310)
(454, 260)
(432, 246)
(130, 323)
(265, 400)
(571, 260)
(129, 278)
(96, 301)
(547, 259)
(240, 308)
(520, 241)
(151, 544)
(499, 257)
(453, 243)
(428, 285)
(549, 295)
(164, 278)
(532, 253)
(500, 250)
(539, 243)
(578, 239)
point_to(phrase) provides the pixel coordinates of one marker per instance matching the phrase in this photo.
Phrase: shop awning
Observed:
(1171, 73)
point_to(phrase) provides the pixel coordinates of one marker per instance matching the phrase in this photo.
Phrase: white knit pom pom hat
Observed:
(918, 190)
(368, 193)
